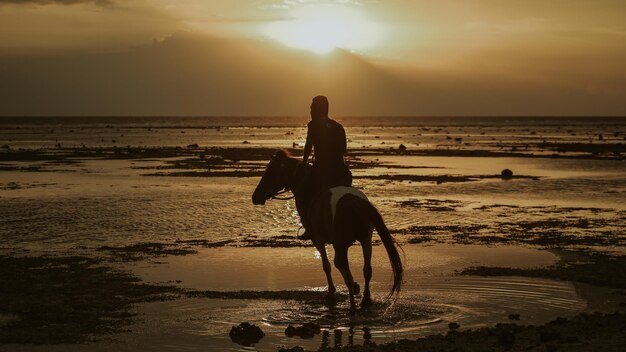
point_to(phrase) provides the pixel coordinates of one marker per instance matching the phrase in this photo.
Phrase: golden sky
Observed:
(269, 57)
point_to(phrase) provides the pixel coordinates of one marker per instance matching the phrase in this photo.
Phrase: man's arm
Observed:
(308, 146)
(344, 147)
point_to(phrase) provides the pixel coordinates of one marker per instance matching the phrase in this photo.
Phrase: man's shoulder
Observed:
(337, 127)
(335, 123)
(324, 124)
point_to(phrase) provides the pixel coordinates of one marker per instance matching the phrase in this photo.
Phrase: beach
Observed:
(140, 233)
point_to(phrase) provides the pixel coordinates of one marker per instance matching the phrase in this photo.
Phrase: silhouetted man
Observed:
(327, 138)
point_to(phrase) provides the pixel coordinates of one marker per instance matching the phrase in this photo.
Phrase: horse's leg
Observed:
(367, 270)
(326, 265)
(341, 263)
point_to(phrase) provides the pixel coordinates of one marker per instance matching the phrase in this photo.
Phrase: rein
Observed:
(276, 195)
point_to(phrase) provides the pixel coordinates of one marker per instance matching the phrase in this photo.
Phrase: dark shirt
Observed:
(328, 139)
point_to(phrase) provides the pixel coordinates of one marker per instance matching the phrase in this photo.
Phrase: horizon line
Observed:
(306, 116)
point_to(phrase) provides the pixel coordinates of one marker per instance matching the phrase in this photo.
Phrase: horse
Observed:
(340, 217)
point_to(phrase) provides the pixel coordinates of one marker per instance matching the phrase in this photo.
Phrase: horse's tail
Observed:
(390, 245)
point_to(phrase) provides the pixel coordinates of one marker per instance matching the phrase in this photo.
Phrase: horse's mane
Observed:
(283, 153)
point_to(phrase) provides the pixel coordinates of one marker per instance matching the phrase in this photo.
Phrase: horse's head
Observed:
(275, 178)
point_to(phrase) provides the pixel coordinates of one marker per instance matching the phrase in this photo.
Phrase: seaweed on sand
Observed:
(588, 267)
(549, 227)
(584, 332)
(417, 178)
(432, 204)
(67, 299)
(294, 295)
(282, 241)
(237, 173)
(437, 178)
(141, 251)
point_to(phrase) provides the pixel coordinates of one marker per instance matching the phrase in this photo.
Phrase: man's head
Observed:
(319, 107)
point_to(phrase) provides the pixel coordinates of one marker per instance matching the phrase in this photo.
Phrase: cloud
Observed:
(195, 75)
(56, 2)
(286, 4)
(96, 25)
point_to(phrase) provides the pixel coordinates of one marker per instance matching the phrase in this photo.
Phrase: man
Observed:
(327, 138)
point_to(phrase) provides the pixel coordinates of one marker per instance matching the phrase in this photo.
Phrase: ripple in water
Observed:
(429, 306)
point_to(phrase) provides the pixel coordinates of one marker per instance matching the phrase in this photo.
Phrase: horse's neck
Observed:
(301, 184)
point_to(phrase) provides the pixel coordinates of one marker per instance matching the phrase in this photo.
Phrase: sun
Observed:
(321, 28)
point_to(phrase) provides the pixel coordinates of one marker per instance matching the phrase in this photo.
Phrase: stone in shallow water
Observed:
(246, 334)
(507, 174)
(453, 326)
(514, 316)
(306, 331)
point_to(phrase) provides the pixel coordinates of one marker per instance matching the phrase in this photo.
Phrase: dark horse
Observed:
(340, 216)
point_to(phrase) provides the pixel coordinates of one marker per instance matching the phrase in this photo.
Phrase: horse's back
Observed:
(337, 193)
(352, 218)
(338, 216)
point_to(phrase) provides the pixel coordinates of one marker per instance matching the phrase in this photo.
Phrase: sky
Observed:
(270, 57)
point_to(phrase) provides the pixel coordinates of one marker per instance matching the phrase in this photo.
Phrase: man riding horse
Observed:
(327, 138)
(332, 212)
(340, 216)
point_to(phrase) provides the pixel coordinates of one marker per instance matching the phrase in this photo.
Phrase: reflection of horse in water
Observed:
(339, 217)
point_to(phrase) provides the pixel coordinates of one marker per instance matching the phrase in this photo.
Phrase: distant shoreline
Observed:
(298, 121)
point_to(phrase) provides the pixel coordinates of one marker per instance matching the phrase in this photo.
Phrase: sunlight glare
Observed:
(323, 27)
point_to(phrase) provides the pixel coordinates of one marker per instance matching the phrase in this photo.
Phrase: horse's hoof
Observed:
(366, 302)
(356, 289)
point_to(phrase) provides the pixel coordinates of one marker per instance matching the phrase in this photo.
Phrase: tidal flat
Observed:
(134, 236)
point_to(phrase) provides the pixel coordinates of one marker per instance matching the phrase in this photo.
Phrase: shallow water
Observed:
(433, 294)
(70, 208)
(432, 297)
(112, 204)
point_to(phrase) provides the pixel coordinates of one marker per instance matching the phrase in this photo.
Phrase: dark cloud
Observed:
(56, 2)
(191, 75)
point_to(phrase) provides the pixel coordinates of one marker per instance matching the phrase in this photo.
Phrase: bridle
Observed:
(286, 189)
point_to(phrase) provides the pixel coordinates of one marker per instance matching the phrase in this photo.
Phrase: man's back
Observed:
(328, 139)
